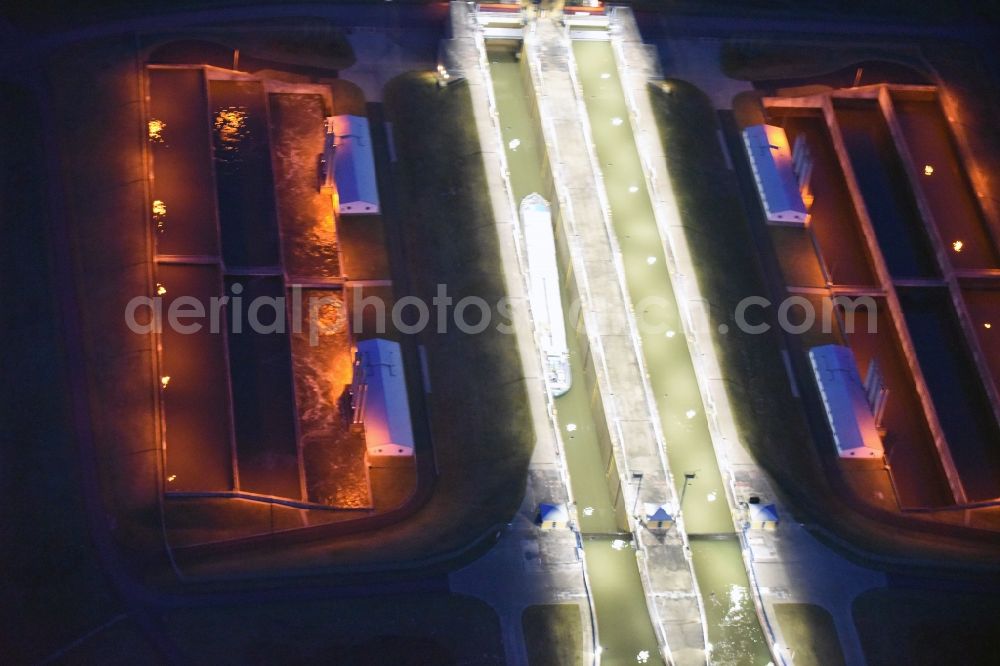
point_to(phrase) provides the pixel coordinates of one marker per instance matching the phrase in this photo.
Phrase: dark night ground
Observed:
(925, 627)
(53, 14)
(53, 590)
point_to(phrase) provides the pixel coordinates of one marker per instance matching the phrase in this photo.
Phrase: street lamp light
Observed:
(688, 478)
(155, 129)
(636, 476)
(159, 214)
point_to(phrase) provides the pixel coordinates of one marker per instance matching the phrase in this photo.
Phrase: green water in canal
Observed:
(718, 563)
(733, 628)
(623, 622)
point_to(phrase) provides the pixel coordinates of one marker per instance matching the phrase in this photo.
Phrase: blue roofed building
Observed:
(775, 174)
(379, 398)
(348, 149)
(847, 408)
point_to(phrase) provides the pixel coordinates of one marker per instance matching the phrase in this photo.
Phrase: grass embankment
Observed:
(925, 627)
(480, 422)
(348, 98)
(718, 234)
(770, 424)
(402, 630)
(53, 589)
(810, 633)
(553, 634)
(64, 13)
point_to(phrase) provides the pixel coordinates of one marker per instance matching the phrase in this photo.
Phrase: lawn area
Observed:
(429, 628)
(553, 634)
(810, 633)
(480, 425)
(925, 627)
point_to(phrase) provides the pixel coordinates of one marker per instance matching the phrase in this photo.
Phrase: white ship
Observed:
(543, 291)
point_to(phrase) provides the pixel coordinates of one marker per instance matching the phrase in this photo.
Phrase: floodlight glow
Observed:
(155, 129)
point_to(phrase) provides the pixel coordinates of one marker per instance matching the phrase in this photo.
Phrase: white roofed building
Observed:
(774, 172)
(380, 400)
(847, 409)
(348, 149)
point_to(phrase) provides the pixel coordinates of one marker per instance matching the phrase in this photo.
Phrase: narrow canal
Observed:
(733, 627)
(623, 624)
